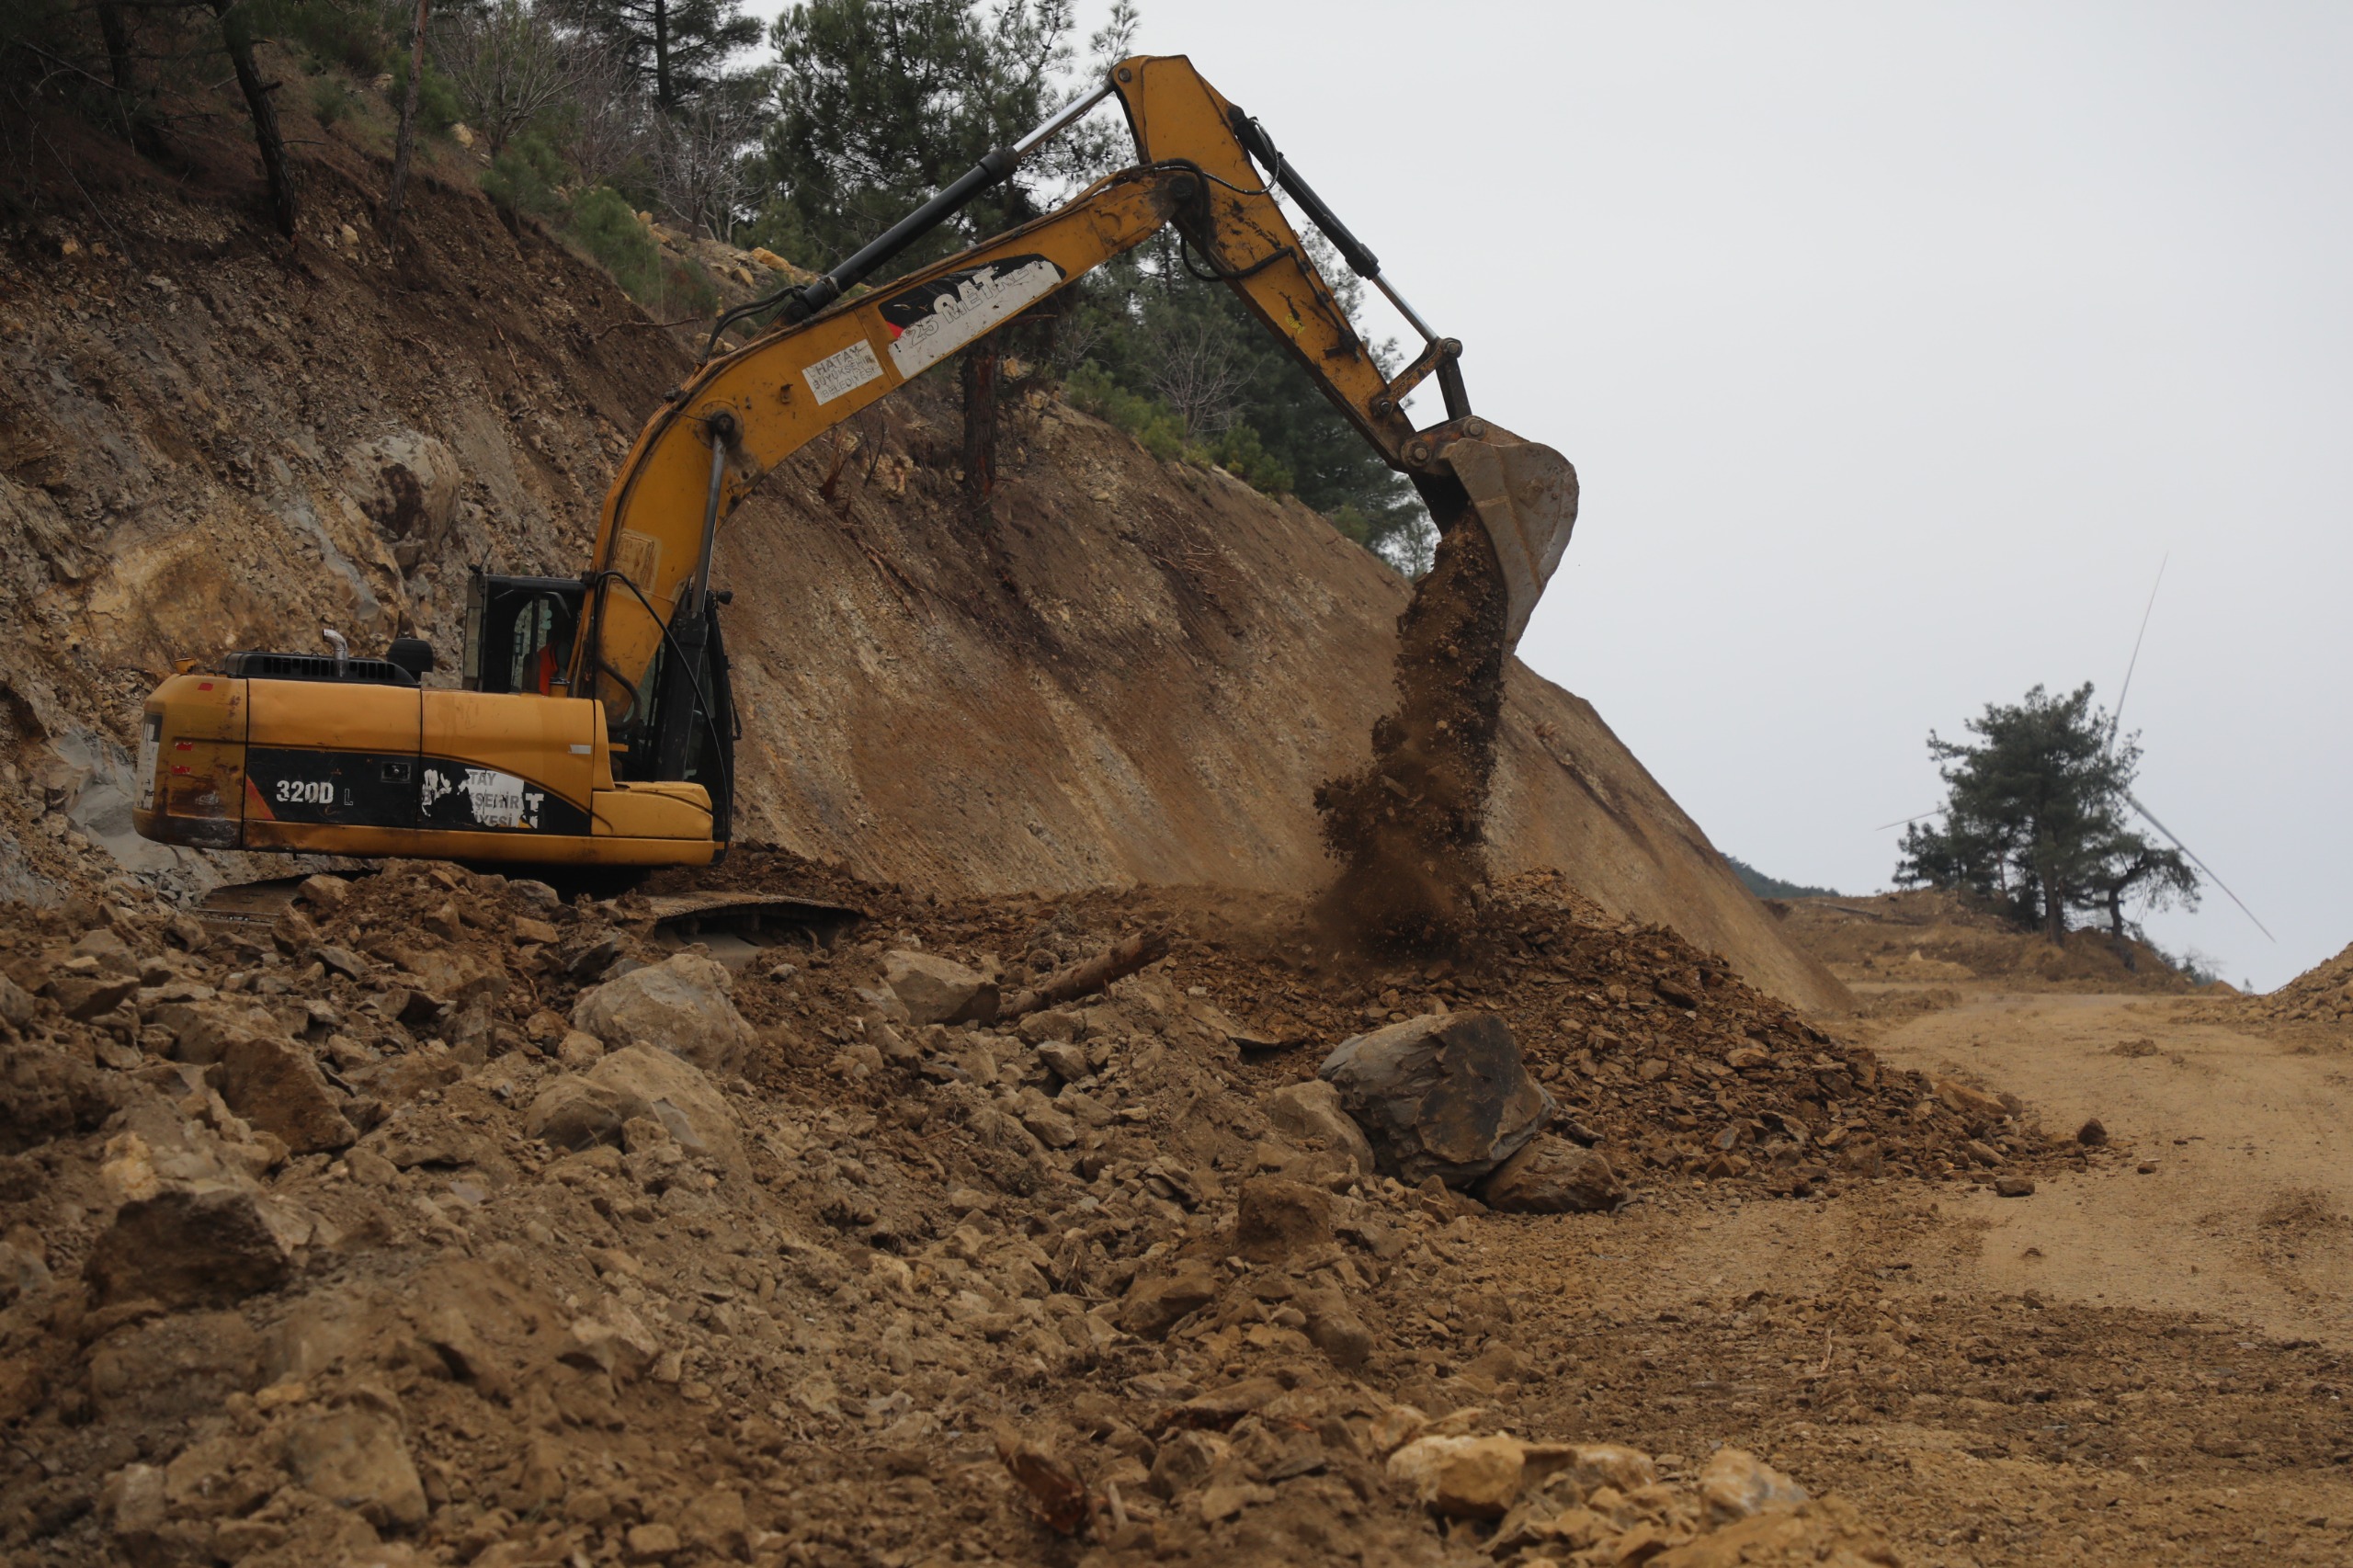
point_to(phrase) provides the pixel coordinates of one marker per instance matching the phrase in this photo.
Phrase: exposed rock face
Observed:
(1443, 1094)
(679, 1005)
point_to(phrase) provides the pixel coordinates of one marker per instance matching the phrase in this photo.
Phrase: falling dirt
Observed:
(1409, 828)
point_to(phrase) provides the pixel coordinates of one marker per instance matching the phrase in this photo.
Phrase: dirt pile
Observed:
(1660, 1056)
(2323, 993)
(365, 1226)
(1930, 938)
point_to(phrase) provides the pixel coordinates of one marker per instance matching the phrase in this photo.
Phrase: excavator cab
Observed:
(520, 633)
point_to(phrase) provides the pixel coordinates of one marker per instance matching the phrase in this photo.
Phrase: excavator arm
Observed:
(649, 619)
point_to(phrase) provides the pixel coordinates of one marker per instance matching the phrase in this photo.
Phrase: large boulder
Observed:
(1443, 1094)
(679, 1005)
(1550, 1175)
(407, 484)
(584, 1108)
(939, 990)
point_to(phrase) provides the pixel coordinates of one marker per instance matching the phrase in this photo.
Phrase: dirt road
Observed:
(2120, 1368)
(2245, 1216)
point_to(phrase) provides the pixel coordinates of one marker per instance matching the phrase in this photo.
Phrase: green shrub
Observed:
(607, 228)
(687, 290)
(437, 101)
(330, 100)
(526, 176)
(348, 33)
(1153, 424)
(668, 287)
(1242, 454)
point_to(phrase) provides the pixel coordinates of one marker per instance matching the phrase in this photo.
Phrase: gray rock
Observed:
(1335, 1328)
(679, 1005)
(169, 1368)
(1053, 1023)
(1443, 1094)
(190, 1246)
(1550, 1175)
(202, 1030)
(1065, 1061)
(1046, 1124)
(1313, 1111)
(572, 1113)
(939, 990)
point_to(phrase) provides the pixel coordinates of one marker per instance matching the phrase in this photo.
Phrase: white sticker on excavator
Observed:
(493, 798)
(962, 308)
(844, 373)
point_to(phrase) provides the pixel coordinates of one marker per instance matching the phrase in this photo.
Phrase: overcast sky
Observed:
(1896, 346)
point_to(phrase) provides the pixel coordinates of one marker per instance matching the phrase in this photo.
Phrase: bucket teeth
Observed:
(1526, 495)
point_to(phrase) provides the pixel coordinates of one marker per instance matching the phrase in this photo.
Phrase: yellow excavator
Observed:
(594, 726)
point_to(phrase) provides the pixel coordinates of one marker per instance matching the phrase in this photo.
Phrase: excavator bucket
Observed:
(1527, 496)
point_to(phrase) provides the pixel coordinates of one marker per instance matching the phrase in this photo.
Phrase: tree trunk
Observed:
(404, 146)
(237, 39)
(980, 378)
(116, 32)
(136, 125)
(663, 94)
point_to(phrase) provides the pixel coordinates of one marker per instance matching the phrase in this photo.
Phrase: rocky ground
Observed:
(439, 1219)
(445, 1214)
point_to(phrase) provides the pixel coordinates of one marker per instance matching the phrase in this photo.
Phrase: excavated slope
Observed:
(1137, 672)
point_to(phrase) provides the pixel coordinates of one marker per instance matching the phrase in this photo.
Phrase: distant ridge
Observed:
(1764, 886)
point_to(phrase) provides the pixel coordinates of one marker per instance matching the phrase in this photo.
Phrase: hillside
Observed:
(1932, 937)
(1139, 675)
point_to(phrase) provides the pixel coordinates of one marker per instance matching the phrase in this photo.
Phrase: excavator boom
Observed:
(596, 727)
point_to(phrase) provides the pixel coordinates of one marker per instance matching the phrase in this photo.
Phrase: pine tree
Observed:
(2034, 818)
(677, 48)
